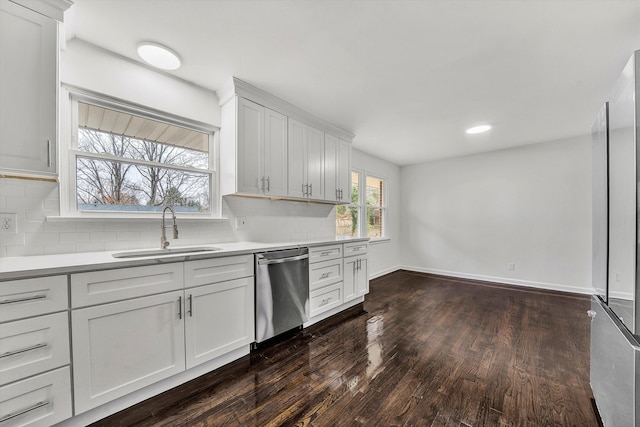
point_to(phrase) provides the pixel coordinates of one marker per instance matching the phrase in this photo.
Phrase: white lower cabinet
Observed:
(121, 347)
(219, 319)
(39, 401)
(34, 345)
(325, 299)
(356, 278)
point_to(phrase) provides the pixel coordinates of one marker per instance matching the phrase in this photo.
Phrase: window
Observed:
(130, 161)
(368, 201)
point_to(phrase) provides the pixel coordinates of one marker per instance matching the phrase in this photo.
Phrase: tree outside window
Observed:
(126, 163)
(368, 202)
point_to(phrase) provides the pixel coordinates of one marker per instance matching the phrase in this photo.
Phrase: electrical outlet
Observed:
(241, 222)
(511, 266)
(8, 223)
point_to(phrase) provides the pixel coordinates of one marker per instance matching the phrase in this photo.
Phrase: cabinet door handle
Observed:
(262, 186)
(23, 350)
(190, 305)
(310, 190)
(23, 411)
(11, 301)
(48, 153)
(179, 307)
(268, 185)
(304, 190)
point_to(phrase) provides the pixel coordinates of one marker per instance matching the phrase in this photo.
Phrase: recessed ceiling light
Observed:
(158, 56)
(478, 129)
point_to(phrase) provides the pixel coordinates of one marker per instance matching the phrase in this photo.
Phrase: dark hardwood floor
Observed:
(426, 351)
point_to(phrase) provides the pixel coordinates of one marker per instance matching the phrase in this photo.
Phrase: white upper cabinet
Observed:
(271, 148)
(343, 177)
(275, 153)
(306, 161)
(255, 161)
(337, 173)
(28, 91)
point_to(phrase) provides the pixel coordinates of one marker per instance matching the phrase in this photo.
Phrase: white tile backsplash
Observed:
(266, 221)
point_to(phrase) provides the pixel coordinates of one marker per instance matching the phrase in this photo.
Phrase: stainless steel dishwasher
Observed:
(282, 291)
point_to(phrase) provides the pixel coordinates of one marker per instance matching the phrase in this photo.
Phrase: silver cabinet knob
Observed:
(591, 314)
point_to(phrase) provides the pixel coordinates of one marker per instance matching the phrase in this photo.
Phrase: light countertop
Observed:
(46, 265)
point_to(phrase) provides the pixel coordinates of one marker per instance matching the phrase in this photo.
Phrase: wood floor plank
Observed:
(423, 350)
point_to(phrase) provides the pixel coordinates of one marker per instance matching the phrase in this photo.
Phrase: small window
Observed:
(366, 214)
(127, 162)
(375, 207)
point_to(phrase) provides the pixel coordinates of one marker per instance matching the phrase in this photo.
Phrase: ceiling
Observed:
(406, 77)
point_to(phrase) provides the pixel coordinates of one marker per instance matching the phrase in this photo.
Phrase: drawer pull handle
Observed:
(11, 301)
(325, 301)
(325, 253)
(23, 350)
(356, 248)
(325, 275)
(23, 411)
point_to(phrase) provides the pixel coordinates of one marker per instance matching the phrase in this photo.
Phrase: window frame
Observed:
(382, 207)
(361, 207)
(70, 153)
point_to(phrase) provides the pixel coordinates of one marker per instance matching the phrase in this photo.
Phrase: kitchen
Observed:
(538, 224)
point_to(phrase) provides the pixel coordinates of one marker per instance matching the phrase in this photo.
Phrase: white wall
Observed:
(471, 216)
(384, 256)
(90, 67)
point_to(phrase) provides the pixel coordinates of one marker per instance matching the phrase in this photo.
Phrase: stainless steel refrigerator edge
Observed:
(615, 349)
(282, 291)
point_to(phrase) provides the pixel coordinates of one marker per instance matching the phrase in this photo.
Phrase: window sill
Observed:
(379, 240)
(131, 218)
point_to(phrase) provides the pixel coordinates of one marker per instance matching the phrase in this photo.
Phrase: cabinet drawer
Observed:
(207, 271)
(325, 253)
(39, 401)
(324, 299)
(32, 297)
(325, 273)
(356, 248)
(97, 287)
(31, 346)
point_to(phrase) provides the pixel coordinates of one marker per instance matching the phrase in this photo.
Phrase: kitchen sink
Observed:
(164, 252)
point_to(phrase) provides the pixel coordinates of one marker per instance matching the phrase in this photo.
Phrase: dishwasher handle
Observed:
(265, 261)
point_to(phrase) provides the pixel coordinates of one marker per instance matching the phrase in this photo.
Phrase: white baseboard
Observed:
(621, 295)
(383, 272)
(504, 280)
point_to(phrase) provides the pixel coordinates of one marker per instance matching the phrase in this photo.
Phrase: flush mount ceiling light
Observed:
(478, 129)
(158, 56)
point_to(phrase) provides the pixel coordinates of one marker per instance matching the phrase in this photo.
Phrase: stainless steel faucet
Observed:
(163, 239)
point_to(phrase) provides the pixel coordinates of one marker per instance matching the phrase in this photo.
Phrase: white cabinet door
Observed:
(250, 147)
(331, 168)
(275, 153)
(350, 279)
(123, 346)
(39, 401)
(356, 277)
(28, 84)
(297, 161)
(306, 161)
(343, 173)
(219, 319)
(315, 163)
(362, 279)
